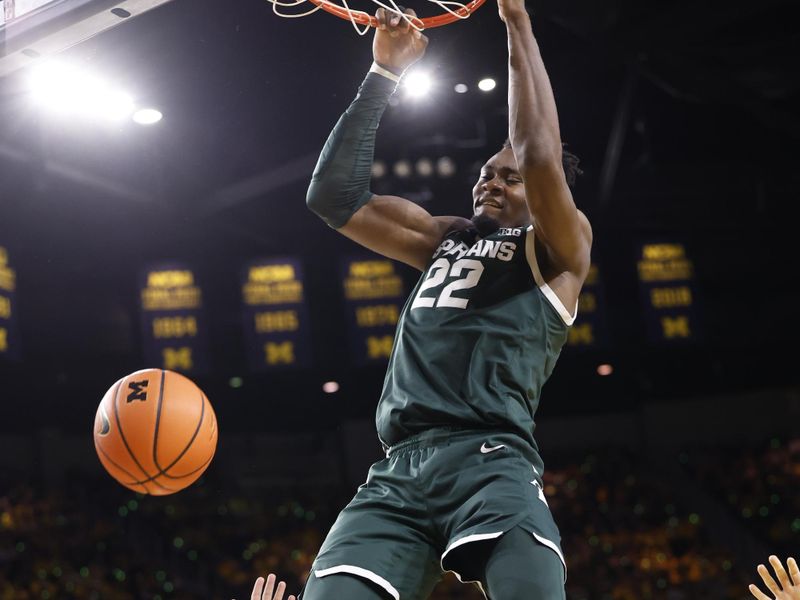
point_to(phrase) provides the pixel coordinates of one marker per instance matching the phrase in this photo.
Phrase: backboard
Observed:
(33, 29)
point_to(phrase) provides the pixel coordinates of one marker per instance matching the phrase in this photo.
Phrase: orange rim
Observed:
(425, 23)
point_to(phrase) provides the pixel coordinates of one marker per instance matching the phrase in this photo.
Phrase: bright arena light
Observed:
(418, 84)
(487, 85)
(445, 167)
(461, 88)
(424, 167)
(330, 387)
(68, 90)
(605, 370)
(378, 169)
(402, 169)
(147, 116)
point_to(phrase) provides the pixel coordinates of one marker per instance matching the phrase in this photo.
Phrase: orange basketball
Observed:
(155, 432)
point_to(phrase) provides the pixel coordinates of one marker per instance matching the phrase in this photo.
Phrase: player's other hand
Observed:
(510, 9)
(788, 585)
(397, 45)
(264, 589)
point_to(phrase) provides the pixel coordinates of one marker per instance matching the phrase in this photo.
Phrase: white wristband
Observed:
(376, 68)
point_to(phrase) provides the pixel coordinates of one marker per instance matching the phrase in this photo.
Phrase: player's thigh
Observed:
(518, 567)
(342, 586)
(383, 537)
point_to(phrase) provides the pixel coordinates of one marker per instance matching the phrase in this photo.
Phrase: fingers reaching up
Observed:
(265, 589)
(788, 585)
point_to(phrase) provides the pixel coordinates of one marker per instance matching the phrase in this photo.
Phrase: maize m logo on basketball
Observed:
(138, 391)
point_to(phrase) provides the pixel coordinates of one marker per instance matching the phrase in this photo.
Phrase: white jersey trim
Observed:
(476, 537)
(360, 572)
(530, 253)
(490, 536)
(554, 547)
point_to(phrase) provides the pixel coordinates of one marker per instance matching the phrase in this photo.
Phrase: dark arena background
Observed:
(670, 429)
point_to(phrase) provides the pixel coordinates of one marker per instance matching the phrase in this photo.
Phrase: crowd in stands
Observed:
(624, 536)
(760, 486)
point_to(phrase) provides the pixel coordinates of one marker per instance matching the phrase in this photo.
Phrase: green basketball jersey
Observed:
(477, 339)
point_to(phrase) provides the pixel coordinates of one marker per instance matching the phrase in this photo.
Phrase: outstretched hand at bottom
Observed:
(264, 589)
(788, 585)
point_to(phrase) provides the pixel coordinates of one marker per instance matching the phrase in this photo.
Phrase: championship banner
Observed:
(666, 284)
(173, 327)
(590, 329)
(9, 346)
(276, 322)
(374, 295)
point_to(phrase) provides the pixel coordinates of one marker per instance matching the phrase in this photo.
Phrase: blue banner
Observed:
(668, 293)
(9, 345)
(173, 324)
(276, 321)
(374, 297)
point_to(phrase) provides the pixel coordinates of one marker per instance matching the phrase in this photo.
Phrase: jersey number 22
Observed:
(467, 271)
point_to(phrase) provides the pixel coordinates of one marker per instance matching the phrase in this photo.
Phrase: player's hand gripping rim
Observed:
(398, 44)
(789, 586)
(265, 589)
(396, 24)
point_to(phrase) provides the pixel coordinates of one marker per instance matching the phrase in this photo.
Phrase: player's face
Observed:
(500, 193)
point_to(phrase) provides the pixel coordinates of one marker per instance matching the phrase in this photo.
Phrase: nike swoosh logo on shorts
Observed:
(486, 449)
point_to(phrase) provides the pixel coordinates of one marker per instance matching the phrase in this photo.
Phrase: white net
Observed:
(359, 18)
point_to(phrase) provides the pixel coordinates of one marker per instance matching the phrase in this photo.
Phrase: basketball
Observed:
(155, 432)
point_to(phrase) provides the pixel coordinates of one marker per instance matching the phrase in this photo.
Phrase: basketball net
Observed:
(362, 21)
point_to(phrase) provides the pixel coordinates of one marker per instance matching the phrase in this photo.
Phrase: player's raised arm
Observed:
(536, 141)
(339, 191)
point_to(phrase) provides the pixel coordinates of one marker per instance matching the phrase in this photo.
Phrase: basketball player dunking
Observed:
(461, 486)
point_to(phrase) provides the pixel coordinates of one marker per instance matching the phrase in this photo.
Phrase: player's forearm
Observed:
(340, 184)
(533, 119)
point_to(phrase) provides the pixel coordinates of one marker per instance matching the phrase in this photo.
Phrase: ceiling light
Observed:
(378, 169)
(330, 387)
(445, 167)
(605, 370)
(417, 84)
(487, 85)
(67, 89)
(402, 169)
(424, 167)
(461, 88)
(147, 116)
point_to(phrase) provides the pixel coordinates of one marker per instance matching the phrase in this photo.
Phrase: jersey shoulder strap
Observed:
(555, 301)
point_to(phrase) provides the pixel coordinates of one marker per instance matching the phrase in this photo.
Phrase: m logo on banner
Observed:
(178, 358)
(379, 347)
(676, 327)
(279, 353)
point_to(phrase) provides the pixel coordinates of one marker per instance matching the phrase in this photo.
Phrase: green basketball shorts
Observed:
(435, 492)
